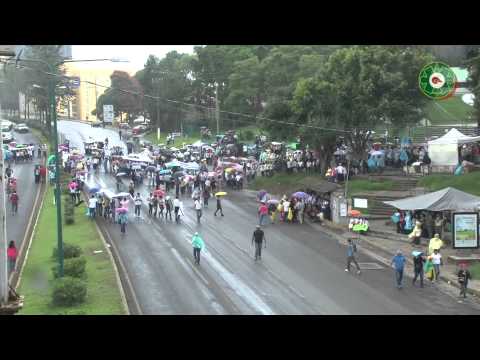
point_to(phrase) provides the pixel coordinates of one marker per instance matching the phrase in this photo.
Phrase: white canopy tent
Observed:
(444, 150)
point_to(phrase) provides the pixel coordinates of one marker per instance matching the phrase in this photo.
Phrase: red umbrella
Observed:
(355, 213)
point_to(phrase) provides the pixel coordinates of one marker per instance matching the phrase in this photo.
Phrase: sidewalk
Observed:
(384, 241)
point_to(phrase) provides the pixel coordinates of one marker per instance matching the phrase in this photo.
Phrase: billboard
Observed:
(465, 230)
(108, 114)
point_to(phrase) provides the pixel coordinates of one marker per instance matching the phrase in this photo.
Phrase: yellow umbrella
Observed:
(228, 170)
(221, 193)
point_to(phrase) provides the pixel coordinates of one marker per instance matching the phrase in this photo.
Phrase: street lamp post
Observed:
(53, 122)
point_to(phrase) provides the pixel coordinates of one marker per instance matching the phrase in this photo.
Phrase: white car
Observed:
(7, 137)
(22, 128)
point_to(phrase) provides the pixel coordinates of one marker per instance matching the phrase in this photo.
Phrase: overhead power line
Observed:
(282, 122)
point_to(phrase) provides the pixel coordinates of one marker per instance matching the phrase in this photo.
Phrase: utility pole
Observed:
(217, 108)
(3, 251)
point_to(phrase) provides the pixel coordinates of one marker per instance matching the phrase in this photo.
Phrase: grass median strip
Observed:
(103, 295)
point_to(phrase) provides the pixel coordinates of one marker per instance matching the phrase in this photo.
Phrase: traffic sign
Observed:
(74, 82)
(108, 113)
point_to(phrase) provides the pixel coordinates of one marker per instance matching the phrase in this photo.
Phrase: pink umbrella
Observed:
(159, 193)
(212, 174)
(121, 210)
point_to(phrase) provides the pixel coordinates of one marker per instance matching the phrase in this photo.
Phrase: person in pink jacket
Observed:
(12, 256)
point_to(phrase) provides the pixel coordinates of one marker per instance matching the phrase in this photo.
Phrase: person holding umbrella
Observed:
(198, 245)
(219, 204)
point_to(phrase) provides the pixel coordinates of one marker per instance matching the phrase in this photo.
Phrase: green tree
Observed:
(361, 88)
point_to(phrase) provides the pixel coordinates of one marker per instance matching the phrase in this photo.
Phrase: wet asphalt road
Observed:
(302, 270)
(26, 189)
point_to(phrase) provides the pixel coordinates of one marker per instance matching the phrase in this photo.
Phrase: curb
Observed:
(387, 262)
(117, 274)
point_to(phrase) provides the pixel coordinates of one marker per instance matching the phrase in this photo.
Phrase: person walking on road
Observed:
(150, 204)
(168, 207)
(14, 200)
(176, 206)
(198, 208)
(418, 264)
(198, 245)
(219, 206)
(463, 277)
(12, 256)
(258, 237)
(206, 196)
(437, 261)
(351, 250)
(120, 134)
(262, 213)
(398, 263)
(122, 220)
(92, 206)
(138, 204)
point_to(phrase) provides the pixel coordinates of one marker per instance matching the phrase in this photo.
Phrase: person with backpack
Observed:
(198, 245)
(398, 263)
(258, 238)
(14, 200)
(463, 276)
(351, 250)
(418, 265)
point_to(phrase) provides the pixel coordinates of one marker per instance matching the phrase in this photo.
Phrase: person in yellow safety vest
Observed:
(435, 243)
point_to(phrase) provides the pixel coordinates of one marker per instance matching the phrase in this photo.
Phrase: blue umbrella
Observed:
(165, 172)
(300, 194)
(94, 190)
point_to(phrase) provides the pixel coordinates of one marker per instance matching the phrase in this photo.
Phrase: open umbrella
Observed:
(165, 172)
(94, 190)
(122, 195)
(221, 193)
(273, 201)
(212, 174)
(121, 174)
(416, 253)
(178, 174)
(151, 168)
(261, 194)
(300, 195)
(159, 193)
(355, 213)
(121, 210)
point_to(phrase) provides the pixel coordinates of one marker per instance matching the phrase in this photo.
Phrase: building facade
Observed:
(88, 93)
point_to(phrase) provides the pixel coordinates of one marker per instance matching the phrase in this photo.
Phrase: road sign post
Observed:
(108, 114)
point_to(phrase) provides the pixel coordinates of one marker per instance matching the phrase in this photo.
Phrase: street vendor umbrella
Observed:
(159, 193)
(355, 213)
(273, 201)
(300, 195)
(221, 193)
(121, 210)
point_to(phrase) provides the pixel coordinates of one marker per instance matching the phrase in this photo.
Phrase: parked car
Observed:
(139, 129)
(7, 125)
(22, 128)
(7, 137)
(96, 123)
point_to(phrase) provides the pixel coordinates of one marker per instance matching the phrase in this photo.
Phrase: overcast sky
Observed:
(136, 54)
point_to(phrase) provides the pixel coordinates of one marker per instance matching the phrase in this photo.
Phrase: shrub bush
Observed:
(248, 135)
(69, 291)
(74, 267)
(69, 212)
(69, 251)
